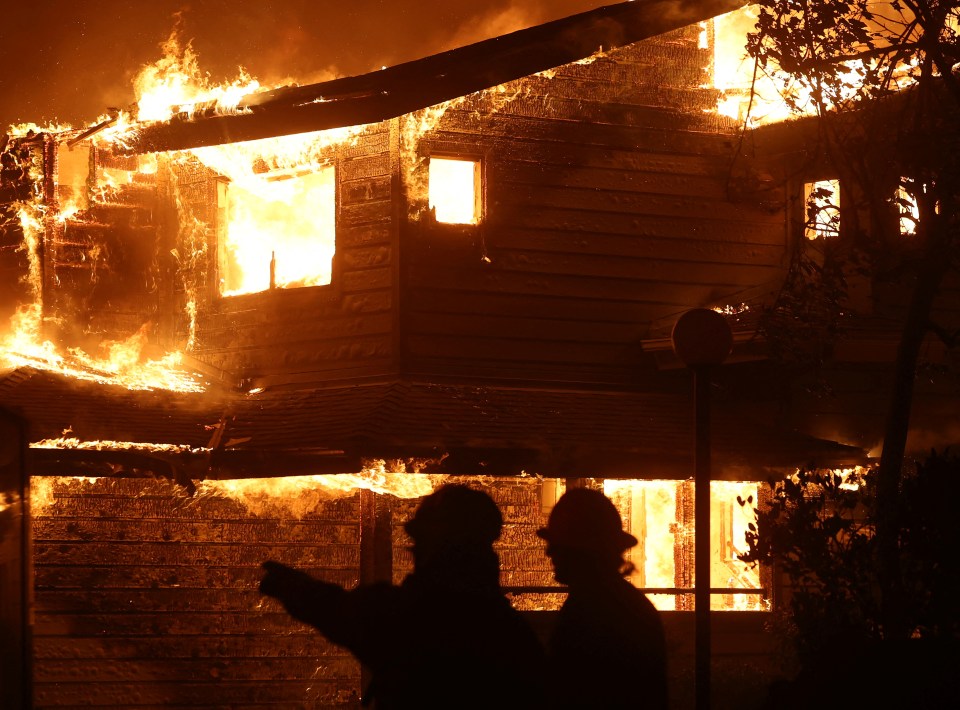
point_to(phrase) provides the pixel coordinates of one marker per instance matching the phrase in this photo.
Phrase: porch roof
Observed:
(457, 428)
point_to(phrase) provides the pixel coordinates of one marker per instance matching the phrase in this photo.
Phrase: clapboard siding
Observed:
(147, 596)
(705, 249)
(340, 330)
(607, 206)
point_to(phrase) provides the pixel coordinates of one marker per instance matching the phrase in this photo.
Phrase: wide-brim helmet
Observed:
(586, 519)
(456, 514)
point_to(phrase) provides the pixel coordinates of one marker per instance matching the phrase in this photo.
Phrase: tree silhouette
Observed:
(878, 84)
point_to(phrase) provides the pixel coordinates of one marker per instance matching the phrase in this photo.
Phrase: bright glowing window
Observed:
(277, 230)
(822, 209)
(660, 514)
(454, 190)
(908, 210)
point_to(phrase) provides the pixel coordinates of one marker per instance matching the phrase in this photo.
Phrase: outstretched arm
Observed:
(306, 599)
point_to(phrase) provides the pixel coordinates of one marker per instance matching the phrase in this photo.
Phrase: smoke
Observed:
(499, 21)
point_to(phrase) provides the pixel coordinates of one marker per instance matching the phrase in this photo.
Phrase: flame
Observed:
(297, 496)
(123, 364)
(42, 496)
(777, 95)
(279, 208)
(454, 186)
(174, 84)
(72, 442)
(649, 510)
(734, 73)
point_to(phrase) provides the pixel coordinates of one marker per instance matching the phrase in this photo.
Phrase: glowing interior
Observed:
(280, 232)
(660, 515)
(454, 189)
(823, 211)
(909, 212)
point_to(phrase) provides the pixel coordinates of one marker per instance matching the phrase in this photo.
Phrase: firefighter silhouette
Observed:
(446, 637)
(607, 649)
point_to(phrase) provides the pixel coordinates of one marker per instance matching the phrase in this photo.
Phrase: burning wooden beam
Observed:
(394, 91)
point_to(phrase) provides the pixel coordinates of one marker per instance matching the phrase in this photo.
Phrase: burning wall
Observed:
(148, 596)
(605, 190)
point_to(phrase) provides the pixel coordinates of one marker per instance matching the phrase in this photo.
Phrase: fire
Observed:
(296, 496)
(42, 496)
(72, 442)
(290, 496)
(123, 364)
(652, 512)
(734, 73)
(24, 344)
(175, 84)
(278, 207)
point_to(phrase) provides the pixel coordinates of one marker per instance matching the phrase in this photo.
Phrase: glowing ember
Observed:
(732, 310)
(69, 442)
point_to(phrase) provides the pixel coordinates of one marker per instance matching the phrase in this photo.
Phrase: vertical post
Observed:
(16, 576)
(701, 399)
(702, 339)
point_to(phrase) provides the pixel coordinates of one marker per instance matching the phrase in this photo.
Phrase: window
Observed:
(660, 514)
(908, 210)
(454, 190)
(822, 209)
(278, 230)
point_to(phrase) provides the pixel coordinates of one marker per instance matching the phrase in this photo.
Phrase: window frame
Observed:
(331, 288)
(480, 185)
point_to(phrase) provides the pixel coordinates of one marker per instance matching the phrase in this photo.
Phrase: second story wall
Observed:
(341, 329)
(606, 206)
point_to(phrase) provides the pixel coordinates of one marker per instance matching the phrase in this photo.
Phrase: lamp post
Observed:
(702, 340)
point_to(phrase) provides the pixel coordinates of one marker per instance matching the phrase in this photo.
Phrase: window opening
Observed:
(660, 515)
(278, 230)
(908, 210)
(454, 190)
(822, 202)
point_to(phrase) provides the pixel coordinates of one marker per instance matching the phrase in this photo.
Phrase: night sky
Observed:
(68, 61)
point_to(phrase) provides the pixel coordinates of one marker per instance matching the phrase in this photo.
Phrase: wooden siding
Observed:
(607, 207)
(147, 597)
(341, 330)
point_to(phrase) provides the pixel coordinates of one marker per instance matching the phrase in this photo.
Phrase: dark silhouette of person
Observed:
(446, 637)
(607, 649)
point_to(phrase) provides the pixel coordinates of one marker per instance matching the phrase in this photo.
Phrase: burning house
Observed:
(264, 327)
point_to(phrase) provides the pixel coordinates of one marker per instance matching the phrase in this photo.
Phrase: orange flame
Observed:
(296, 496)
(649, 509)
(175, 84)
